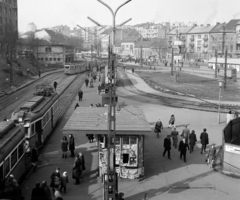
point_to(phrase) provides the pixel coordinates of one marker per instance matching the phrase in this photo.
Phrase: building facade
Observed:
(8, 15)
(54, 54)
(62, 29)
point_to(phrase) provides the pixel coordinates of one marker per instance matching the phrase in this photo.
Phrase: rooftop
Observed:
(201, 29)
(145, 44)
(130, 120)
(183, 30)
(230, 26)
(217, 28)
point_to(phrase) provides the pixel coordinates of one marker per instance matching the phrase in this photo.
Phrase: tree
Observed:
(77, 42)
(8, 46)
(161, 48)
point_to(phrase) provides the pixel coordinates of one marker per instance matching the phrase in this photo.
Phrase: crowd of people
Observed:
(187, 143)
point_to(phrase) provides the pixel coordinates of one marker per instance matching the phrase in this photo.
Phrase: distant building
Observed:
(51, 36)
(150, 30)
(62, 29)
(8, 15)
(31, 27)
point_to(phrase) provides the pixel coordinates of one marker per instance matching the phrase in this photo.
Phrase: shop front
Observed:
(131, 130)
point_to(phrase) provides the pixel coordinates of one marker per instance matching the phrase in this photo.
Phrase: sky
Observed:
(49, 13)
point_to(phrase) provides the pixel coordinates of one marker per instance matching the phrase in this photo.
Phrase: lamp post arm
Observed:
(119, 6)
(106, 6)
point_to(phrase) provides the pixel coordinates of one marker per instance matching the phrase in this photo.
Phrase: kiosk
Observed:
(131, 129)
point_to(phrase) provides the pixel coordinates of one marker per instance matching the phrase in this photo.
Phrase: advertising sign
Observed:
(232, 149)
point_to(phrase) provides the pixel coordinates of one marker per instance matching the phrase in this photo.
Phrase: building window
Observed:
(231, 48)
(54, 59)
(50, 59)
(46, 59)
(199, 36)
(5, 10)
(41, 58)
(199, 49)
(6, 22)
(0, 20)
(0, 8)
(199, 42)
(48, 49)
(10, 11)
(1, 31)
(59, 59)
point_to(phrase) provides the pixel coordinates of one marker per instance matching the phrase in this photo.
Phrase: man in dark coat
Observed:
(37, 192)
(71, 145)
(55, 85)
(46, 191)
(55, 179)
(34, 158)
(183, 146)
(204, 140)
(80, 95)
(77, 170)
(167, 146)
(86, 82)
(192, 140)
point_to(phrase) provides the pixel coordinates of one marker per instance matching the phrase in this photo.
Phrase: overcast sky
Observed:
(48, 13)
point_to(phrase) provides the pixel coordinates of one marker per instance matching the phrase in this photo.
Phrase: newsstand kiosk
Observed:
(131, 129)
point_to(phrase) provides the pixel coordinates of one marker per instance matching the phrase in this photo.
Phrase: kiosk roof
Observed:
(86, 120)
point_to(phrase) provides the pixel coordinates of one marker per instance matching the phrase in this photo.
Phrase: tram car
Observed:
(12, 154)
(76, 67)
(39, 115)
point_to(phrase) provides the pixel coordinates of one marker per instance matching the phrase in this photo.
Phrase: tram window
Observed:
(13, 158)
(133, 140)
(26, 131)
(20, 150)
(1, 172)
(125, 157)
(125, 140)
(7, 166)
(32, 130)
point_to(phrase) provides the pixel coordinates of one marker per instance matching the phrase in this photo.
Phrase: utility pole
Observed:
(225, 70)
(216, 54)
(172, 63)
(110, 178)
(141, 55)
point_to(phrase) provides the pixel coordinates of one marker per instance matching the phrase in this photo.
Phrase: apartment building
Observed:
(8, 14)
(62, 29)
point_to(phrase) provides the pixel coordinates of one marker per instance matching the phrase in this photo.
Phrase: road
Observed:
(165, 179)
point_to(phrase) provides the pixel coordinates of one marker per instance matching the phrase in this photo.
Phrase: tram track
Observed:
(11, 102)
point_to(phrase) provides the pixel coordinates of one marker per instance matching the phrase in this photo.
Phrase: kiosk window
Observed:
(133, 140)
(14, 158)
(125, 158)
(7, 166)
(125, 140)
(20, 150)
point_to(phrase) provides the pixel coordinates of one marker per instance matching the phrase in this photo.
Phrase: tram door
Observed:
(38, 131)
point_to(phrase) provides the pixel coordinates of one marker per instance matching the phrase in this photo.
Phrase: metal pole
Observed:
(225, 70)
(216, 54)
(172, 63)
(141, 55)
(219, 104)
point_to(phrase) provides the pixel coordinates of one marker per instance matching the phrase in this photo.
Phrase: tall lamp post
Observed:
(220, 82)
(110, 178)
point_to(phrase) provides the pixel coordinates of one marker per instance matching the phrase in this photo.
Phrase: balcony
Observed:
(205, 38)
(192, 38)
(205, 44)
(191, 51)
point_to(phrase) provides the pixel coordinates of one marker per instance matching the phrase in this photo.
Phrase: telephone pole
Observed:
(225, 70)
(216, 54)
(172, 63)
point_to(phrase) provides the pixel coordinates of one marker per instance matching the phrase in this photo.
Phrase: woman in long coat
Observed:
(64, 146)
(192, 140)
(77, 170)
(34, 158)
(81, 157)
(71, 145)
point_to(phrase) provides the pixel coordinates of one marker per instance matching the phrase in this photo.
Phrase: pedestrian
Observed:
(167, 146)
(34, 158)
(55, 179)
(71, 145)
(218, 68)
(86, 81)
(64, 146)
(94, 77)
(27, 148)
(64, 182)
(172, 121)
(91, 106)
(158, 127)
(185, 133)
(4, 118)
(81, 157)
(183, 146)
(99, 89)
(55, 85)
(192, 140)
(77, 170)
(204, 140)
(211, 156)
(37, 192)
(90, 137)
(174, 135)
(80, 95)
(39, 73)
(133, 70)
(46, 191)
(229, 117)
(58, 195)
(76, 106)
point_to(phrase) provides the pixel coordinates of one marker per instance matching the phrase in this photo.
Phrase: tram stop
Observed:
(231, 148)
(131, 130)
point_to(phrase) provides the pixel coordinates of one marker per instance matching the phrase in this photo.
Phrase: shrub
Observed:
(19, 73)
(6, 70)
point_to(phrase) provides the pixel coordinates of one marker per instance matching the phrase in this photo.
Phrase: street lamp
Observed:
(220, 82)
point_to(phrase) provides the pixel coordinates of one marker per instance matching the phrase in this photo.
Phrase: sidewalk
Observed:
(141, 85)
